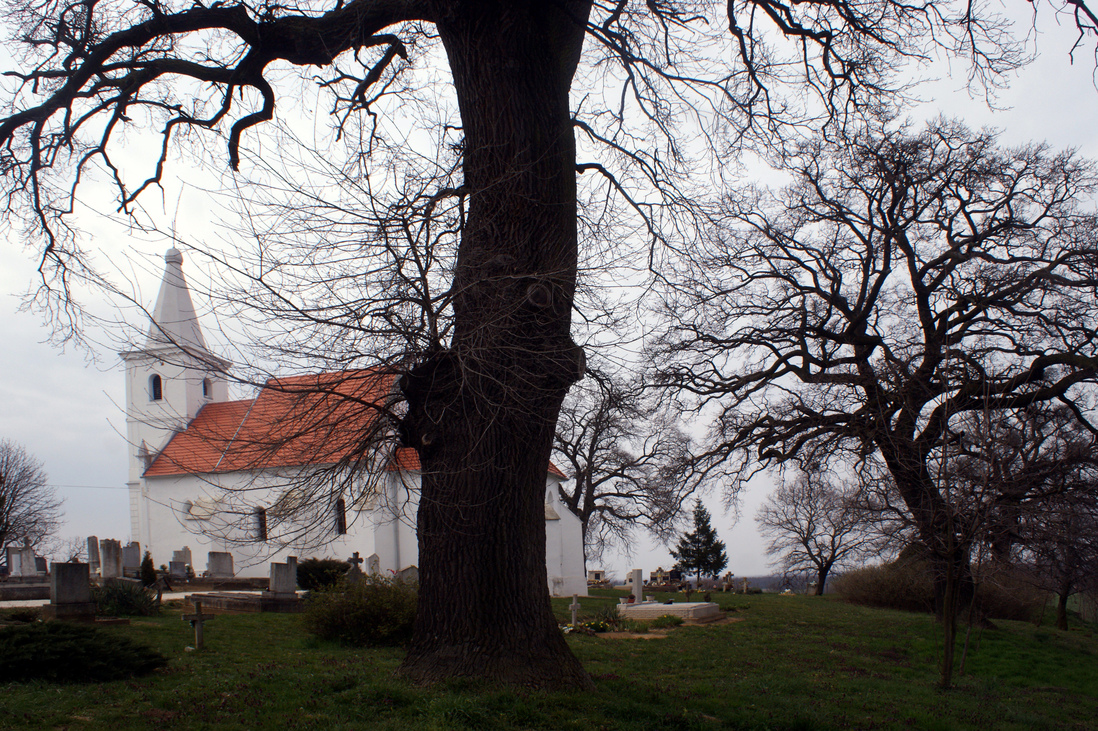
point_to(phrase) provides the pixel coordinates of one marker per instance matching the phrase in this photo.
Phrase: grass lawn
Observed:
(792, 663)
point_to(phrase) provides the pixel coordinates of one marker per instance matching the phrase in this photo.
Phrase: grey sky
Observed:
(67, 411)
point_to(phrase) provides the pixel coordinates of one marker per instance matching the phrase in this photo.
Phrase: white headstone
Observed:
(283, 579)
(131, 557)
(93, 553)
(219, 564)
(374, 563)
(637, 583)
(110, 552)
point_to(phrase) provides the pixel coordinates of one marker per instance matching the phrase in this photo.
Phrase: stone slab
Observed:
(234, 602)
(79, 612)
(696, 611)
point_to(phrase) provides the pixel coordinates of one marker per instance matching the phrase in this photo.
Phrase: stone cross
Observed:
(354, 574)
(574, 606)
(197, 620)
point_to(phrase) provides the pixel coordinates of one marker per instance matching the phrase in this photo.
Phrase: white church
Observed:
(266, 478)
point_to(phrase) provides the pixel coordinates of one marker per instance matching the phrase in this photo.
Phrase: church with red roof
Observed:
(308, 467)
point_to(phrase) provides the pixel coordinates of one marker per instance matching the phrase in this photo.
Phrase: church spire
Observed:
(174, 319)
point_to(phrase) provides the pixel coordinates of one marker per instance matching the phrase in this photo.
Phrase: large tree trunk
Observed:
(482, 414)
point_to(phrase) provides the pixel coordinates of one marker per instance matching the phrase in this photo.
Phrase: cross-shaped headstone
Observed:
(196, 620)
(574, 606)
(355, 560)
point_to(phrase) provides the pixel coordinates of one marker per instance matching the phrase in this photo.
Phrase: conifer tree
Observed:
(699, 552)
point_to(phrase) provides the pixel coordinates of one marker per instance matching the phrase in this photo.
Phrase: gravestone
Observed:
(70, 593)
(283, 581)
(110, 555)
(409, 574)
(374, 564)
(15, 561)
(41, 565)
(131, 558)
(219, 564)
(575, 607)
(637, 585)
(183, 556)
(197, 619)
(93, 554)
(177, 570)
(354, 574)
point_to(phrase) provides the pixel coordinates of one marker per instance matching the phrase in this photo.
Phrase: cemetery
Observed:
(799, 659)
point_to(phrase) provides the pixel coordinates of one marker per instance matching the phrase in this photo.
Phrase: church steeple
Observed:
(168, 381)
(174, 320)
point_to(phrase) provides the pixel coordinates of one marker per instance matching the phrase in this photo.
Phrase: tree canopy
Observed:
(29, 509)
(699, 551)
(545, 93)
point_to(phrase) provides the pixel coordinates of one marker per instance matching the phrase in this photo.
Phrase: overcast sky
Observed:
(66, 409)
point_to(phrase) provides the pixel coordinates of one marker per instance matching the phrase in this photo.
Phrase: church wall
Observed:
(563, 547)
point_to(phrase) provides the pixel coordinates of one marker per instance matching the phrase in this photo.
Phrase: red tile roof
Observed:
(303, 420)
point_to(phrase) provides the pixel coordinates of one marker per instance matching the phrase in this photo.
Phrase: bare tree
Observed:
(1062, 541)
(904, 281)
(481, 408)
(30, 510)
(627, 459)
(816, 525)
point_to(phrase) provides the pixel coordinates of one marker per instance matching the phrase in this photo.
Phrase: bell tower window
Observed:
(156, 387)
(205, 388)
(341, 517)
(260, 515)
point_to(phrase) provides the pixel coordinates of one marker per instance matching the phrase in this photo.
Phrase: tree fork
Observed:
(482, 414)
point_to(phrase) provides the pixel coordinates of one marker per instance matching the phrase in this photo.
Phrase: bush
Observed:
(1005, 594)
(904, 584)
(372, 612)
(63, 652)
(124, 599)
(21, 615)
(666, 621)
(907, 584)
(319, 573)
(148, 570)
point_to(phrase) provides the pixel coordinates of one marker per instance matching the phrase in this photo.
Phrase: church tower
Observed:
(168, 381)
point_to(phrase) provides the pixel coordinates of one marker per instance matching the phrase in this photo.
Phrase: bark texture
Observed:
(482, 414)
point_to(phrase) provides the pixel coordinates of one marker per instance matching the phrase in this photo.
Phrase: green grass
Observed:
(792, 663)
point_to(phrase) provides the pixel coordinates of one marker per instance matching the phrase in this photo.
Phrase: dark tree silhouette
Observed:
(816, 524)
(481, 407)
(699, 551)
(904, 281)
(1062, 541)
(29, 509)
(627, 459)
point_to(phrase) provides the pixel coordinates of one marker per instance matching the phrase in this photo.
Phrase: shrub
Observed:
(1005, 594)
(318, 573)
(63, 652)
(607, 614)
(148, 570)
(374, 611)
(904, 584)
(907, 584)
(665, 621)
(21, 615)
(124, 599)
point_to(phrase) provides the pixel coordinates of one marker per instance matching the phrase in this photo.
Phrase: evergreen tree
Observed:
(699, 552)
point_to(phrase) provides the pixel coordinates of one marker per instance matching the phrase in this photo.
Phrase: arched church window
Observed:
(205, 388)
(341, 517)
(261, 524)
(156, 387)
